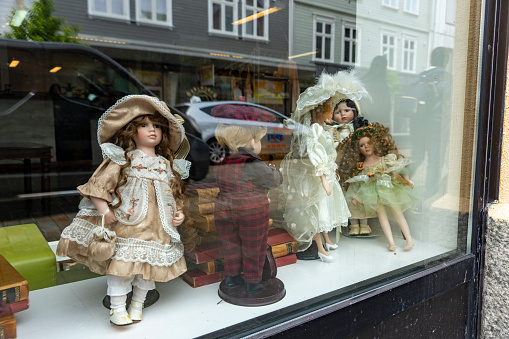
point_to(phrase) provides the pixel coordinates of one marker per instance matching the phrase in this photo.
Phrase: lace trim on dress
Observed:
(136, 250)
(114, 152)
(166, 213)
(182, 166)
(80, 231)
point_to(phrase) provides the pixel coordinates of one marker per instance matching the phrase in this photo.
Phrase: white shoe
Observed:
(119, 317)
(326, 258)
(329, 247)
(135, 310)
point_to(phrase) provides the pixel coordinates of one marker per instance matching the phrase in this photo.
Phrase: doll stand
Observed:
(273, 291)
(152, 297)
(310, 254)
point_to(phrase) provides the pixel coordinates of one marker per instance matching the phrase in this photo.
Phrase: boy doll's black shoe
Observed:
(253, 287)
(234, 281)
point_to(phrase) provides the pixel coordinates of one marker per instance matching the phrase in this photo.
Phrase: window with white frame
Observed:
(389, 49)
(409, 54)
(349, 44)
(412, 6)
(222, 15)
(390, 3)
(157, 12)
(257, 27)
(116, 9)
(323, 39)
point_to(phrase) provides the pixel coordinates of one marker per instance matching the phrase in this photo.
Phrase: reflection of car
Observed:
(276, 141)
(82, 83)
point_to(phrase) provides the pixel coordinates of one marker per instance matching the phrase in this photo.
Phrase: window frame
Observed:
(406, 10)
(324, 20)
(394, 4)
(404, 50)
(223, 4)
(125, 17)
(394, 46)
(356, 40)
(169, 14)
(256, 10)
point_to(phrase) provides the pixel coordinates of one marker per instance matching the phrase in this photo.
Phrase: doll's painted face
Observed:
(366, 147)
(149, 134)
(343, 113)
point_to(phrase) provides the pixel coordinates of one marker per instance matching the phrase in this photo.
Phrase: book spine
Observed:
(200, 256)
(19, 306)
(202, 209)
(196, 278)
(8, 327)
(204, 223)
(11, 295)
(284, 249)
(211, 267)
(286, 260)
(278, 236)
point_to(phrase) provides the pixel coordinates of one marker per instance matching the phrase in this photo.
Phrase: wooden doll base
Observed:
(152, 298)
(310, 254)
(273, 291)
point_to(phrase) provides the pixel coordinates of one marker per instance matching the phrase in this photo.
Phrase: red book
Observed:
(278, 236)
(286, 260)
(205, 252)
(196, 278)
(19, 305)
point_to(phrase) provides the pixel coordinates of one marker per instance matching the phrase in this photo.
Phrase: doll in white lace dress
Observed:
(314, 201)
(136, 193)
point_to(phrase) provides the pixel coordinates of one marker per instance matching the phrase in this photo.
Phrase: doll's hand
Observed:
(355, 201)
(411, 183)
(110, 218)
(178, 218)
(326, 185)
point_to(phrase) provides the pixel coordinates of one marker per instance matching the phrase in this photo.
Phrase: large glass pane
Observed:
(100, 6)
(117, 7)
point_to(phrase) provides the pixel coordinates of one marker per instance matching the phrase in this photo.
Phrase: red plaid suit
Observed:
(242, 213)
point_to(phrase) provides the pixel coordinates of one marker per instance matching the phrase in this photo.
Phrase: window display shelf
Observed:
(76, 310)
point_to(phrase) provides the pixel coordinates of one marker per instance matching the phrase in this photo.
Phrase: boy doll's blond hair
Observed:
(234, 136)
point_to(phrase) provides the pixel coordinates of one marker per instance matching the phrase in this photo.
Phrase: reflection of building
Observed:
(183, 45)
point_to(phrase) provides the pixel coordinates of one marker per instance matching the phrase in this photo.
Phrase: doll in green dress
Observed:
(378, 179)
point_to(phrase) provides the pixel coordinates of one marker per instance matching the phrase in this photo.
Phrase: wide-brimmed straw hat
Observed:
(133, 106)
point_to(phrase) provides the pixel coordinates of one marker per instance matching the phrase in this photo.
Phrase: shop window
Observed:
(114, 9)
(323, 39)
(409, 55)
(222, 15)
(258, 25)
(389, 49)
(412, 6)
(349, 44)
(390, 3)
(157, 12)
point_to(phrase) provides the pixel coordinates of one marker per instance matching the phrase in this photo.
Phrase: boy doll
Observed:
(242, 207)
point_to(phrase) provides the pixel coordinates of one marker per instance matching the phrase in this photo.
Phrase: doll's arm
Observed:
(102, 207)
(326, 185)
(407, 178)
(179, 217)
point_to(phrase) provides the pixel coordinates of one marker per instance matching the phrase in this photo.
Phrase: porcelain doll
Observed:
(137, 193)
(241, 207)
(314, 203)
(378, 180)
(346, 119)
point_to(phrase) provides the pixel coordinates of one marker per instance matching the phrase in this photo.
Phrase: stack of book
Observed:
(14, 297)
(206, 264)
(201, 206)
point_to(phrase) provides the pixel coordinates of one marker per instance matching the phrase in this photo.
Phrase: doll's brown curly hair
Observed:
(380, 139)
(124, 139)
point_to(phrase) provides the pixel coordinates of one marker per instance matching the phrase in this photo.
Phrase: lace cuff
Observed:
(182, 166)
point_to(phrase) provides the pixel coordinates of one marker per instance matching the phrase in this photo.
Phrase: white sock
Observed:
(117, 302)
(139, 294)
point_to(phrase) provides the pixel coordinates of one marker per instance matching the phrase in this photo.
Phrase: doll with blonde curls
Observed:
(378, 179)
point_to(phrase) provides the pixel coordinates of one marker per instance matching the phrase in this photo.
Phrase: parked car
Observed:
(276, 142)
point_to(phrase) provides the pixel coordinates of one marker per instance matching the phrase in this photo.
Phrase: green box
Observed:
(29, 253)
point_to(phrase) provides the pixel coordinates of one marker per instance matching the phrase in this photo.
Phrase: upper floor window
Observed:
(323, 39)
(389, 49)
(349, 44)
(117, 9)
(157, 12)
(390, 3)
(257, 24)
(409, 54)
(412, 6)
(222, 15)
